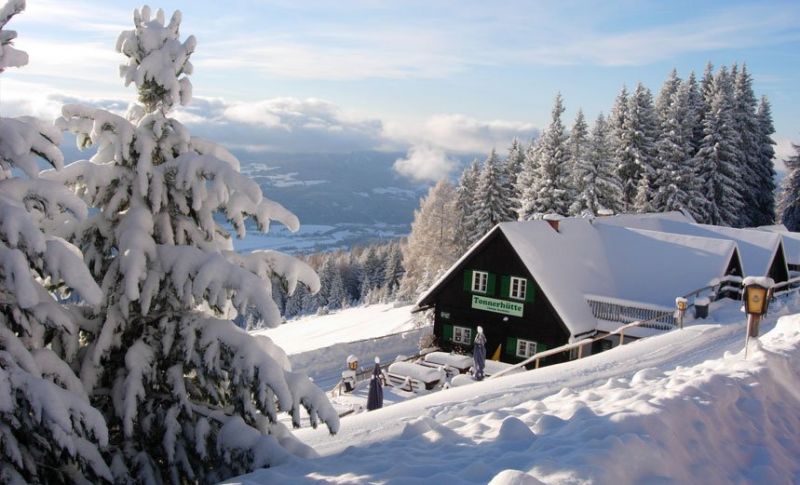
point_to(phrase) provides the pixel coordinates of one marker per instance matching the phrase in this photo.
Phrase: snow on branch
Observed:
(157, 60)
(9, 56)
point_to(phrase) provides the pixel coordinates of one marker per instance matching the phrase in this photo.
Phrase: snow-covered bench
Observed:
(453, 364)
(414, 377)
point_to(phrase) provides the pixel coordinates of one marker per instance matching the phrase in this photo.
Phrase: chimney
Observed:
(553, 220)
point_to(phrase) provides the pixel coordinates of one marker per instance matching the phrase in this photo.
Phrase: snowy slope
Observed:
(368, 331)
(681, 407)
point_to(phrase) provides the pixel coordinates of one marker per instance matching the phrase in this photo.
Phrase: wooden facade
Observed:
(455, 301)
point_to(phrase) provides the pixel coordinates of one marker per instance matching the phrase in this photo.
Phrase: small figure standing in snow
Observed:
(375, 397)
(479, 353)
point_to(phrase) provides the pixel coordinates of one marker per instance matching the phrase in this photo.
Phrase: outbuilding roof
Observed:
(758, 249)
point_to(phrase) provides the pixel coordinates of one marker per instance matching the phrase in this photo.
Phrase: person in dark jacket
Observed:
(479, 354)
(375, 397)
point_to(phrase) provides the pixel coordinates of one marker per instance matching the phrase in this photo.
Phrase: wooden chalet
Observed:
(536, 285)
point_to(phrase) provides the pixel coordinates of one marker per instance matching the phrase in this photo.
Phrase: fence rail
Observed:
(616, 312)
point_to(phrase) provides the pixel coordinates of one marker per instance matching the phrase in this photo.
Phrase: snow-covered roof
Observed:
(791, 241)
(757, 248)
(584, 259)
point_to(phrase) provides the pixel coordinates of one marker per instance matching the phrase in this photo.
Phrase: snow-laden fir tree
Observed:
(617, 122)
(755, 178)
(49, 432)
(639, 162)
(718, 159)
(372, 271)
(546, 186)
(493, 198)
(394, 269)
(765, 198)
(331, 294)
(465, 204)
(432, 246)
(675, 173)
(704, 94)
(578, 144)
(789, 196)
(187, 396)
(597, 184)
(514, 163)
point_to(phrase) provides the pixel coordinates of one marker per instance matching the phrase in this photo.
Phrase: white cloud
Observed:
(461, 134)
(425, 163)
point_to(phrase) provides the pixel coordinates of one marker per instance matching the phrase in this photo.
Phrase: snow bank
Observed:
(683, 407)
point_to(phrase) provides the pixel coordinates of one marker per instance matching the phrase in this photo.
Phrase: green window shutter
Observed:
(511, 346)
(468, 280)
(505, 286)
(530, 291)
(540, 347)
(490, 284)
(447, 333)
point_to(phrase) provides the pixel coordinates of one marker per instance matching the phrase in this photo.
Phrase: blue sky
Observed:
(451, 76)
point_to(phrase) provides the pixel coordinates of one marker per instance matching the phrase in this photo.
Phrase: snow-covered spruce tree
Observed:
(547, 191)
(675, 174)
(432, 245)
(49, 432)
(331, 294)
(639, 162)
(394, 269)
(578, 144)
(598, 186)
(765, 198)
(493, 199)
(757, 178)
(465, 199)
(187, 396)
(789, 197)
(718, 159)
(513, 165)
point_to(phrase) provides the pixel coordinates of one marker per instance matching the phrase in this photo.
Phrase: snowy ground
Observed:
(381, 330)
(683, 407)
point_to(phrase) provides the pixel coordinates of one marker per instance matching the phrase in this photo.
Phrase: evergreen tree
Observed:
(705, 93)
(789, 198)
(331, 294)
(578, 143)
(525, 179)
(757, 179)
(695, 112)
(465, 203)
(394, 269)
(718, 159)
(639, 162)
(598, 186)
(432, 245)
(186, 394)
(665, 96)
(49, 432)
(372, 268)
(675, 172)
(493, 200)
(513, 166)
(549, 189)
(764, 167)
(617, 123)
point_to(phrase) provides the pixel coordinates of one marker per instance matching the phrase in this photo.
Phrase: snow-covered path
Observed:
(640, 413)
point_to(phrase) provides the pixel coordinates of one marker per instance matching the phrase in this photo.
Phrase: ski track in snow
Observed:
(670, 409)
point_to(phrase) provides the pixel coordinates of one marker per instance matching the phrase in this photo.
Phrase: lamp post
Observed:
(756, 295)
(682, 304)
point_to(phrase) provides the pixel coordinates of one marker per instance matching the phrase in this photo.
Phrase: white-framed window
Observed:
(525, 348)
(462, 335)
(480, 281)
(518, 288)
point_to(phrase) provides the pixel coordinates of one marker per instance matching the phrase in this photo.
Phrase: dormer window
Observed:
(480, 281)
